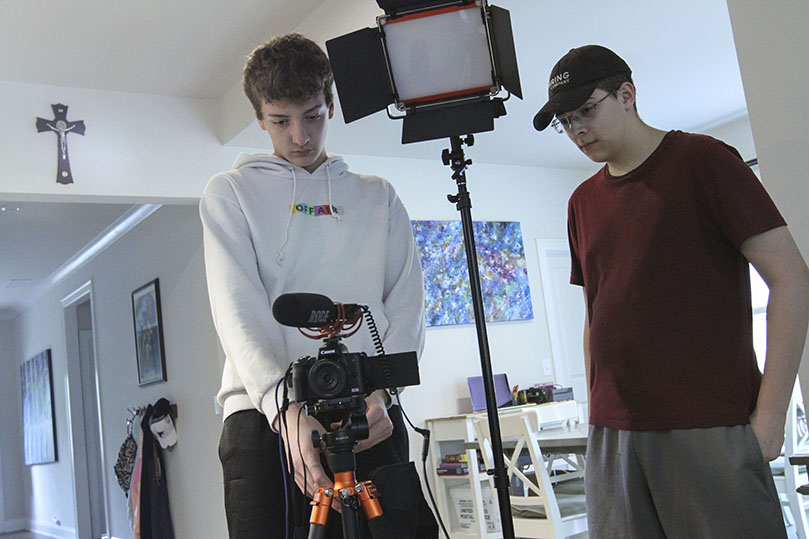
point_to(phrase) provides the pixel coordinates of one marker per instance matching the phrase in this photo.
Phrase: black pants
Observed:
(254, 477)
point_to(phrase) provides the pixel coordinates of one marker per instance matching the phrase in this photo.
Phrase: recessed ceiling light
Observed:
(9, 208)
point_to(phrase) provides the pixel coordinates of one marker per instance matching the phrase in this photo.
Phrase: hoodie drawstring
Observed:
(333, 213)
(289, 216)
(331, 207)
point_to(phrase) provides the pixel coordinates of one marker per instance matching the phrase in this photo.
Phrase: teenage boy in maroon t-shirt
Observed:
(683, 423)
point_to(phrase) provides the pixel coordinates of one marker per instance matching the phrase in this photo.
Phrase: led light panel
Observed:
(439, 54)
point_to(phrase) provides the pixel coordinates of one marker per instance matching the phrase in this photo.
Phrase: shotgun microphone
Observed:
(307, 310)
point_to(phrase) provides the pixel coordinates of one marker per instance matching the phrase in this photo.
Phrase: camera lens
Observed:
(327, 379)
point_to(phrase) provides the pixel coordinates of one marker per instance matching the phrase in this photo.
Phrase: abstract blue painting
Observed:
(502, 268)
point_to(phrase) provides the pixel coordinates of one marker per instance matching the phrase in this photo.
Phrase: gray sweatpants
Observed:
(680, 484)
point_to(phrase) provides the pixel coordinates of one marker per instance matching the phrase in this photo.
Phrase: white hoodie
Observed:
(268, 230)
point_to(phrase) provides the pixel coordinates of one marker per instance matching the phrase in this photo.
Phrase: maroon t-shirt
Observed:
(668, 292)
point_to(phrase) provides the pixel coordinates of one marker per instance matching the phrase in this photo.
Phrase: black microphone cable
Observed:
(287, 471)
(425, 449)
(282, 423)
(394, 391)
(370, 323)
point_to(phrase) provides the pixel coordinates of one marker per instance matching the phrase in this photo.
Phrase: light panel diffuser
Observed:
(438, 54)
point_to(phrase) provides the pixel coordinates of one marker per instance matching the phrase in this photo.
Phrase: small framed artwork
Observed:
(38, 420)
(148, 322)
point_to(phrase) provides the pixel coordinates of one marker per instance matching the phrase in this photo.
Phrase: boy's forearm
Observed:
(787, 319)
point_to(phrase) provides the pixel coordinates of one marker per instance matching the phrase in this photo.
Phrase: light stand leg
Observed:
(456, 160)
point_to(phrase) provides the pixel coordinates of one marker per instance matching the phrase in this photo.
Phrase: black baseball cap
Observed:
(575, 77)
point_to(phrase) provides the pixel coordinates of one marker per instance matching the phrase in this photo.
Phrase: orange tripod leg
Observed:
(352, 495)
(321, 502)
(369, 499)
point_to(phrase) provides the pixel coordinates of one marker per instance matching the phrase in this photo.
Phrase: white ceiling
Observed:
(188, 48)
(36, 238)
(682, 55)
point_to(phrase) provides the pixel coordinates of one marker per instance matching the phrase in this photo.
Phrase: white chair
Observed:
(788, 477)
(547, 500)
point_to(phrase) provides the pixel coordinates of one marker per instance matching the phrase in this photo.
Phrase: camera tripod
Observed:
(339, 445)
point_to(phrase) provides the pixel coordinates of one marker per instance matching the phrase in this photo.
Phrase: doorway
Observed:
(564, 309)
(84, 413)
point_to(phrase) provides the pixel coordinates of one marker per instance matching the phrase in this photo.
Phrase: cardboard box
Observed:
(462, 506)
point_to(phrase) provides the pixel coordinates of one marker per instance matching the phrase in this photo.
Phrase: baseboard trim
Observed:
(56, 532)
(22, 524)
(16, 525)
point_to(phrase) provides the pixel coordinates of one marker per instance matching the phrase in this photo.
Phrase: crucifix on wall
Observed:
(61, 126)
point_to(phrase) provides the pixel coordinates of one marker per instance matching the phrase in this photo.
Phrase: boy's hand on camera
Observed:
(300, 451)
(380, 427)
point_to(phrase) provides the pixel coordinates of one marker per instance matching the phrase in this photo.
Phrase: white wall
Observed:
(537, 198)
(738, 134)
(771, 42)
(167, 246)
(136, 146)
(140, 147)
(12, 508)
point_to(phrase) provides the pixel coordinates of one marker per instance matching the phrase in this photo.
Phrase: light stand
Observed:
(444, 44)
(455, 159)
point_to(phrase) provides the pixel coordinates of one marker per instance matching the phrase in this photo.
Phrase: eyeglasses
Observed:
(587, 112)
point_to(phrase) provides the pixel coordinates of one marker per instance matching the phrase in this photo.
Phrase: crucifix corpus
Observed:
(61, 127)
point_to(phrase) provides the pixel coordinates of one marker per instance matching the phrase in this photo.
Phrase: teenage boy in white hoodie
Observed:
(299, 221)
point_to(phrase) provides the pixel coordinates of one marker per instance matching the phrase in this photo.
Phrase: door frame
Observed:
(75, 413)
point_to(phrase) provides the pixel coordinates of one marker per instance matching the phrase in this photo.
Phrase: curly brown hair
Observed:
(290, 68)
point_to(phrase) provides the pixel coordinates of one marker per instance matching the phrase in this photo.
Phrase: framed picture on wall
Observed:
(38, 421)
(148, 322)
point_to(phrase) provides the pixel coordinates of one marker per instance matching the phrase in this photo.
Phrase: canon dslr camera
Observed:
(338, 374)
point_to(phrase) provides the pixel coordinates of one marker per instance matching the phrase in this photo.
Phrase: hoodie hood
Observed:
(271, 164)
